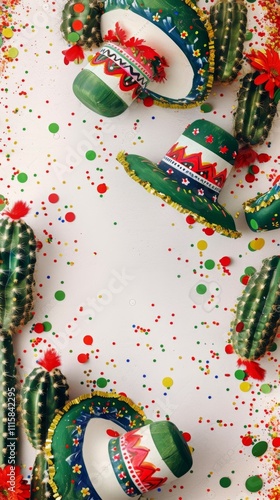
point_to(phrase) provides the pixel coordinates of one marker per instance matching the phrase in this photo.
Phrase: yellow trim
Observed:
(247, 204)
(121, 157)
(61, 413)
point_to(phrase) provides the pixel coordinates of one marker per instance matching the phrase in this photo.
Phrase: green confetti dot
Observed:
(101, 382)
(225, 482)
(265, 388)
(1, 41)
(73, 37)
(259, 448)
(13, 52)
(22, 177)
(59, 295)
(250, 270)
(90, 155)
(47, 326)
(273, 347)
(53, 128)
(201, 289)
(240, 374)
(249, 34)
(206, 107)
(209, 264)
(254, 483)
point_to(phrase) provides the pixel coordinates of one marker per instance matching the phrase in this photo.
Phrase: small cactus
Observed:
(84, 20)
(229, 21)
(257, 317)
(255, 112)
(45, 392)
(17, 263)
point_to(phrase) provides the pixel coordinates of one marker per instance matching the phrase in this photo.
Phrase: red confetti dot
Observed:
(53, 198)
(229, 349)
(102, 188)
(187, 437)
(148, 102)
(70, 216)
(245, 279)
(276, 442)
(249, 178)
(78, 7)
(190, 219)
(208, 231)
(77, 25)
(247, 440)
(39, 328)
(88, 340)
(225, 261)
(254, 169)
(112, 433)
(83, 358)
(239, 327)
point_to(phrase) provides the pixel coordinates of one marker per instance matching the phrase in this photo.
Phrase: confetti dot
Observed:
(73, 37)
(167, 382)
(39, 328)
(225, 261)
(83, 358)
(254, 483)
(88, 340)
(13, 52)
(148, 102)
(90, 155)
(209, 264)
(101, 382)
(187, 437)
(276, 442)
(7, 32)
(245, 386)
(202, 245)
(259, 448)
(225, 482)
(53, 128)
(102, 188)
(59, 295)
(201, 289)
(206, 108)
(70, 217)
(22, 177)
(53, 198)
(265, 388)
(47, 326)
(247, 440)
(240, 374)
(256, 244)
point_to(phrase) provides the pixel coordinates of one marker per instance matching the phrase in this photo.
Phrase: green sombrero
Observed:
(191, 174)
(91, 457)
(262, 213)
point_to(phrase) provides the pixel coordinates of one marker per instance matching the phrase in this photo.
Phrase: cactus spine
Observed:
(17, 263)
(255, 112)
(229, 21)
(45, 391)
(87, 17)
(257, 316)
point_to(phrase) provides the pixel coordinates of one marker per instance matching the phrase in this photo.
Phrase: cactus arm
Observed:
(257, 314)
(255, 112)
(90, 34)
(229, 21)
(40, 487)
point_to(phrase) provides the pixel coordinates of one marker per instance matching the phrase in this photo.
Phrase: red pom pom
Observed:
(50, 360)
(253, 369)
(19, 210)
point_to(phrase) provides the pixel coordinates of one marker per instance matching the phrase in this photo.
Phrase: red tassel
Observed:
(74, 53)
(253, 369)
(50, 360)
(19, 210)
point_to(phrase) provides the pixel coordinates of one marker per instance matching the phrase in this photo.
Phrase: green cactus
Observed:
(255, 112)
(89, 18)
(229, 21)
(257, 316)
(17, 263)
(45, 392)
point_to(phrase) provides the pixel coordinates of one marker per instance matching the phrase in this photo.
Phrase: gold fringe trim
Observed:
(121, 157)
(247, 204)
(61, 413)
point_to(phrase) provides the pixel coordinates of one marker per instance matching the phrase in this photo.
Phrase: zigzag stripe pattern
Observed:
(135, 73)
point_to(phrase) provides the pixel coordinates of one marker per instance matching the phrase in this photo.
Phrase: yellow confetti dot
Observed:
(167, 382)
(257, 244)
(202, 245)
(245, 386)
(7, 32)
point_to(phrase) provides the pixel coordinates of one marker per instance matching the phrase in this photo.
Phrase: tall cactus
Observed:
(255, 112)
(45, 391)
(257, 317)
(17, 263)
(229, 21)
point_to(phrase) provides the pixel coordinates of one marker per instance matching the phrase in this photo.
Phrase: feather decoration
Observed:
(19, 210)
(50, 360)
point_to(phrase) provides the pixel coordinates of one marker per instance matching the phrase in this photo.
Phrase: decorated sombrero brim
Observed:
(262, 212)
(180, 32)
(112, 414)
(190, 176)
